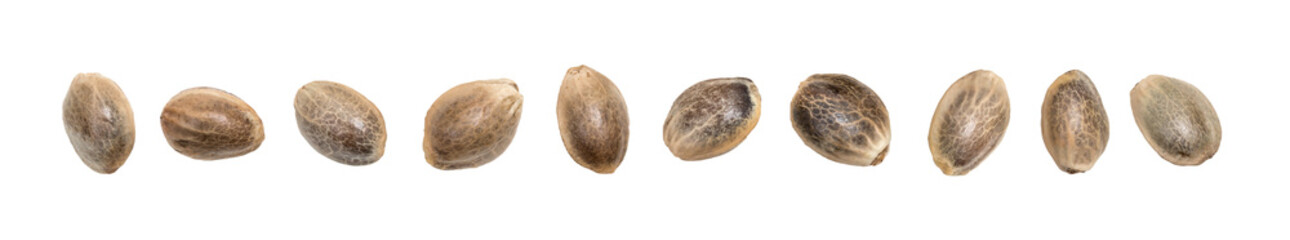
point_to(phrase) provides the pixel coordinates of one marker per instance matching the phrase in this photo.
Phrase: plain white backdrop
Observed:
(402, 55)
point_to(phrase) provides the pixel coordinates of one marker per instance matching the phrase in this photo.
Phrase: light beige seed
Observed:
(592, 116)
(340, 123)
(208, 124)
(1074, 123)
(472, 124)
(1177, 120)
(969, 122)
(99, 122)
(841, 119)
(711, 117)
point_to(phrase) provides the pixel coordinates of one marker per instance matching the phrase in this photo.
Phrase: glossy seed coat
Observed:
(1074, 123)
(841, 119)
(99, 122)
(472, 124)
(969, 122)
(592, 116)
(208, 124)
(340, 123)
(1177, 120)
(711, 117)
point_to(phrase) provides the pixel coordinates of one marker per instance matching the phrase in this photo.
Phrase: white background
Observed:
(403, 55)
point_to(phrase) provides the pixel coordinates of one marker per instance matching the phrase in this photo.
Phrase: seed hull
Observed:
(711, 117)
(99, 122)
(1177, 120)
(969, 122)
(472, 124)
(592, 117)
(1073, 122)
(842, 119)
(209, 124)
(340, 123)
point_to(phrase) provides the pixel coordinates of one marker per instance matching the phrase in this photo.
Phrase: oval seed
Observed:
(969, 122)
(99, 122)
(841, 119)
(1177, 120)
(592, 116)
(1074, 123)
(208, 124)
(472, 123)
(340, 123)
(711, 117)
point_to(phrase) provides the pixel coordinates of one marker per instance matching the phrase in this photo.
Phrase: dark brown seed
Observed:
(99, 122)
(841, 119)
(1177, 120)
(969, 122)
(593, 119)
(711, 117)
(1074, 123)
(340, 123)
(208, 124)
(472, 124)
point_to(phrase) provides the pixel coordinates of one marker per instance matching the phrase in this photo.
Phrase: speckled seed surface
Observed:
(472, 124)
(711, 117)
(841, 119)
(969, 122)
(340, 123)
(208, 124)
(1074, 123)
(1177, 119)
(99, 122)
(593, 119)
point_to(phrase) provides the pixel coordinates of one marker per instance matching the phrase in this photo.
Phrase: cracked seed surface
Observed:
(472, 124)
(207, 124)
(1074, 123)
(969, 122)
(99, 122)
(592, 116)
(1177, 120)
(711, 117)
(841, 119)
(340, 123)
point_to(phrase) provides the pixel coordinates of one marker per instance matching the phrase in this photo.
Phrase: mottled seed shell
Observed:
(969, 122)
(711, 117)
(472, 123)
(841, 119)
(208, 124)
(593, 119)
(1177, 120)
(1074, 123)
(340, 123)
(99, 122)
